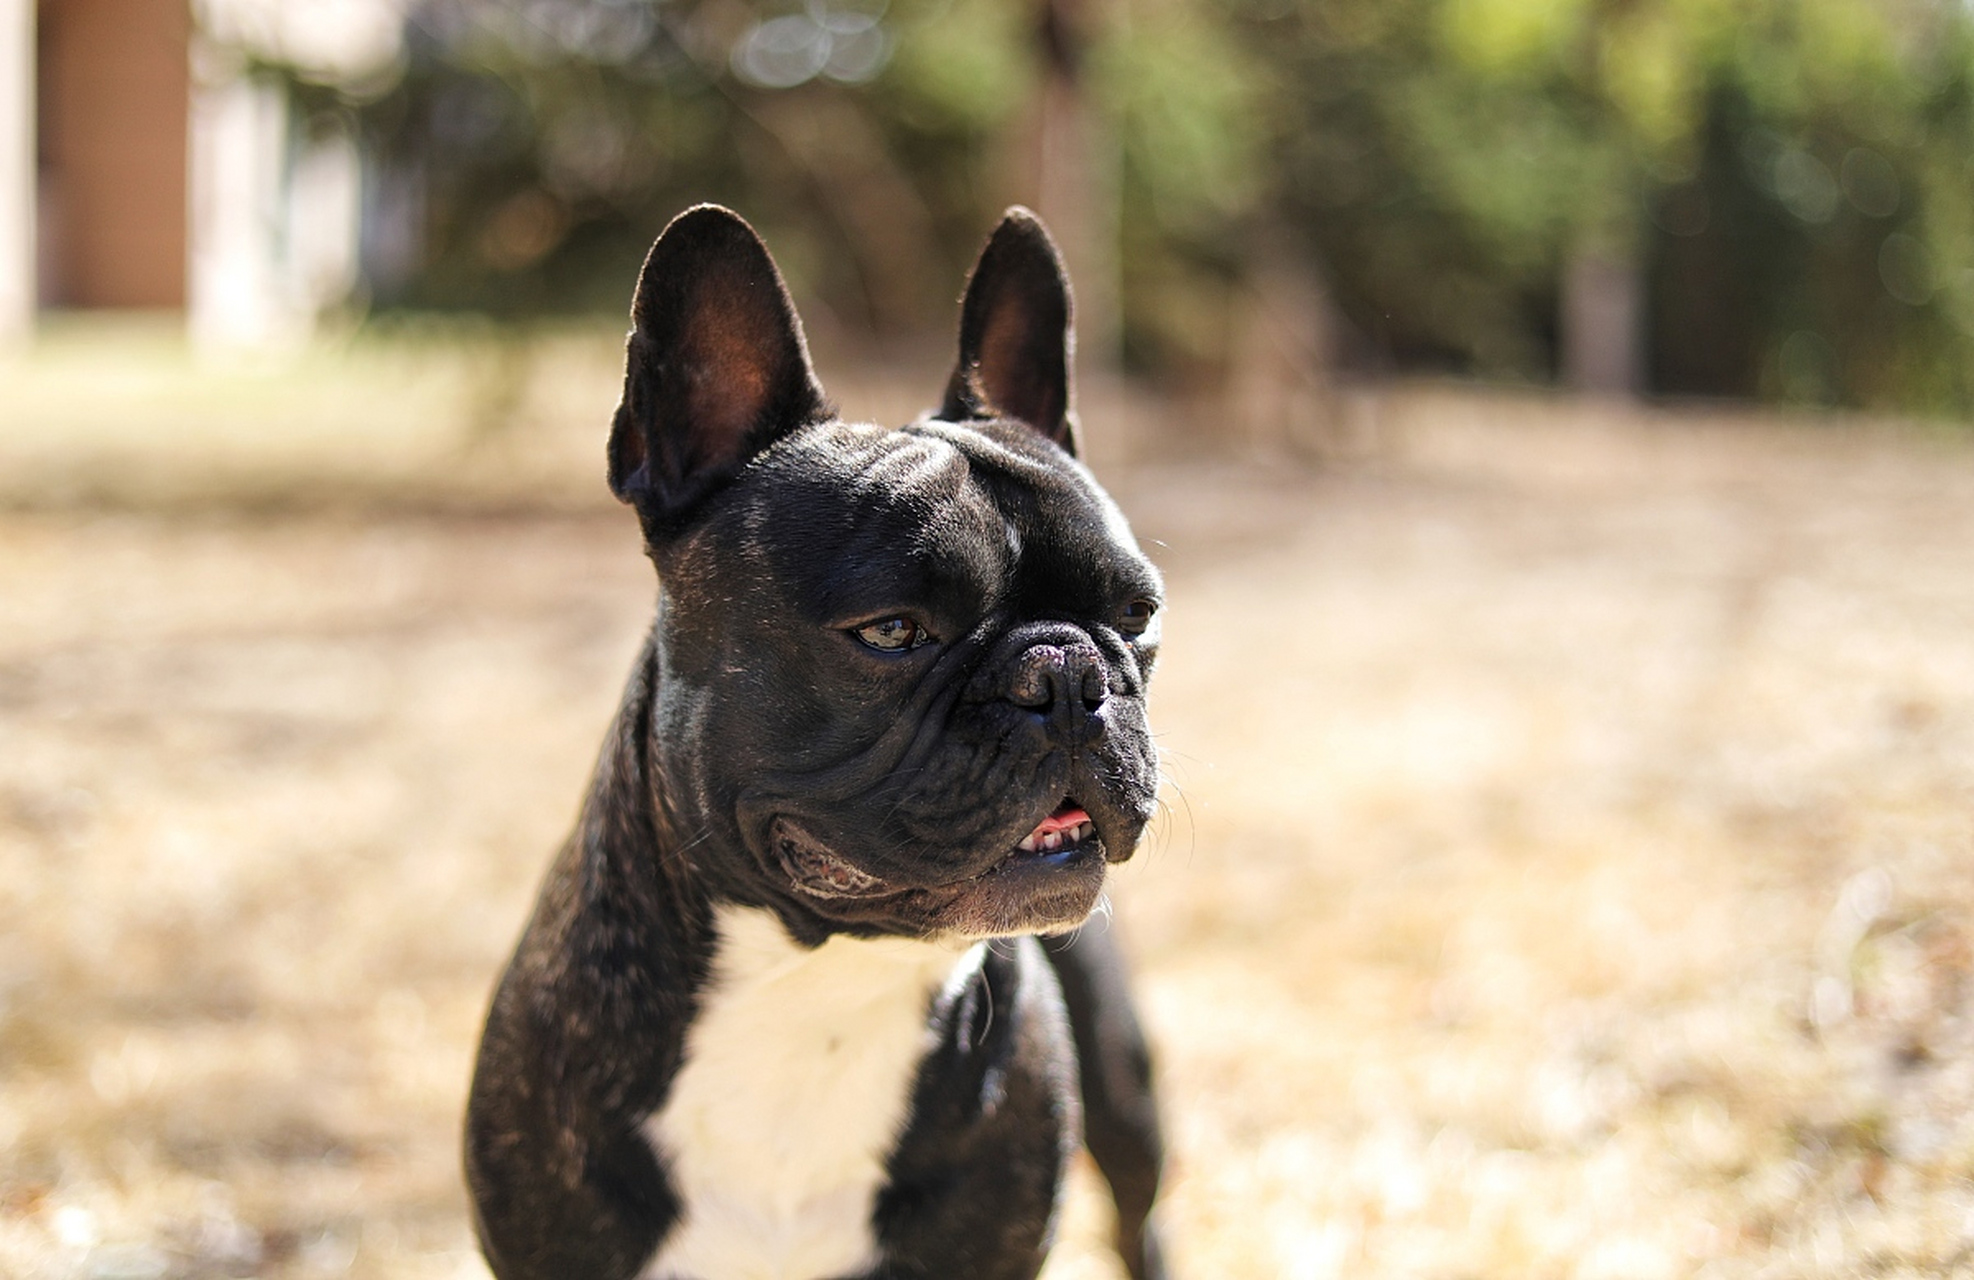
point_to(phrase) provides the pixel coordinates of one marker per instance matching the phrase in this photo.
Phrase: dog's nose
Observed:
(1066, 683)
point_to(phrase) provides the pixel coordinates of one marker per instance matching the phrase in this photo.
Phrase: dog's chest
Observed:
(796, 1084)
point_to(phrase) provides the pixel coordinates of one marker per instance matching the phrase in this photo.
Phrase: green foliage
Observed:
(961, 68)
(1791, 176)
(544, 142)
(1187, 105)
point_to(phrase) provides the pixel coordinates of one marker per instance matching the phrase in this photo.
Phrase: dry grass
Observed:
(1568, 875)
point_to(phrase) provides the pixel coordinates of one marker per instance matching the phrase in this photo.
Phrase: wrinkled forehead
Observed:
(1073, 541)
(959, 505)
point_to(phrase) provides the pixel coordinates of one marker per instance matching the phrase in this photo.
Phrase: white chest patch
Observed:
(797, 1078)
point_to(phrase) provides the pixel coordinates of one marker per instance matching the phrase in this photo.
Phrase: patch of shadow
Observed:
(19, 686)
(291, 1140)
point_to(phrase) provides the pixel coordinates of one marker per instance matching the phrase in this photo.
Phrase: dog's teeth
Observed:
(1040, 841)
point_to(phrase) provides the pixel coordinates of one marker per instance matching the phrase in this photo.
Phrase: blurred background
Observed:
(1551, 417)
(1761, 199)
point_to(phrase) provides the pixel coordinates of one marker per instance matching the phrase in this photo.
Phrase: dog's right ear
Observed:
(1016, 344)
(716, 369)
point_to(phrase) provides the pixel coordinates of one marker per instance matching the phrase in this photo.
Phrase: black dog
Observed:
(779, 1012)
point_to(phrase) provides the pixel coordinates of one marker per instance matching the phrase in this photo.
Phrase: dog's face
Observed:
(902, 671)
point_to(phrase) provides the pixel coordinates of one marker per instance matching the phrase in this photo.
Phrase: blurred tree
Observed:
(1789, 177)
(538, 144)
(548, 140)
(1714, 197)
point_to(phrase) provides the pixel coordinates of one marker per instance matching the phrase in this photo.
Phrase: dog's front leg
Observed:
(1120, 1110)
(585, 1033)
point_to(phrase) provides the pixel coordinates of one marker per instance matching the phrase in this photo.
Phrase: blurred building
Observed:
(149, 160)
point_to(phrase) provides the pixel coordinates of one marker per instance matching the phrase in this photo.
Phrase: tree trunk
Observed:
(1602, 351)
(1073, 177)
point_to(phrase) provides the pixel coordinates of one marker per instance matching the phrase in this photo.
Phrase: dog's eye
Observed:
(1137, 616)
(891, 635)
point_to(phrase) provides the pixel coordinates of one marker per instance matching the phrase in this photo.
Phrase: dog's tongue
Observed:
(1067, 818)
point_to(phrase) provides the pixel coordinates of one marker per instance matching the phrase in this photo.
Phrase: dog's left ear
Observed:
(716, 369)
(1015, 337)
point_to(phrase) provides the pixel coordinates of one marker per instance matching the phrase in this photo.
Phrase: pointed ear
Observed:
(1015, 336)
(716, 368)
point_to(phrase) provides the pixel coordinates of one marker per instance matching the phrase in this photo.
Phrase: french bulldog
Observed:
(804, 994)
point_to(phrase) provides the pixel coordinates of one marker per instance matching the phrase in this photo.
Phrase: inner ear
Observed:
(716, 369)
(1015, 337)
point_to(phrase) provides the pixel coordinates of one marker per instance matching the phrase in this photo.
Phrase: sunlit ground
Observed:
(1568, 872)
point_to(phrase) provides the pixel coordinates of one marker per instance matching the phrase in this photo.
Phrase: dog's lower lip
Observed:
(816, 870)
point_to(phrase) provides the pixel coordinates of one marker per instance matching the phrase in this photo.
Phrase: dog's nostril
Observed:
(1096, 685)
(1036, 677)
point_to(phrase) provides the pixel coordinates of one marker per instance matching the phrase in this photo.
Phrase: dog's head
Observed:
(901, 670)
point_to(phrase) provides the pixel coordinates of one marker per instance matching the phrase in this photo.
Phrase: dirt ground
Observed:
(1569, 869)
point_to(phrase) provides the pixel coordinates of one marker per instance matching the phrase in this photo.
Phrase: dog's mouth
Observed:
(1063, 838)
(1065, 829)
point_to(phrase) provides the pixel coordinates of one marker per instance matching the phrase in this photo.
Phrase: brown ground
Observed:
(1569, 868)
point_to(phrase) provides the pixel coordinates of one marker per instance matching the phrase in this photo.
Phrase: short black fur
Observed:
(764, 756)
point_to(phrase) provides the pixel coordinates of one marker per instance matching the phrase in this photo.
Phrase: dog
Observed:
(804, 994)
